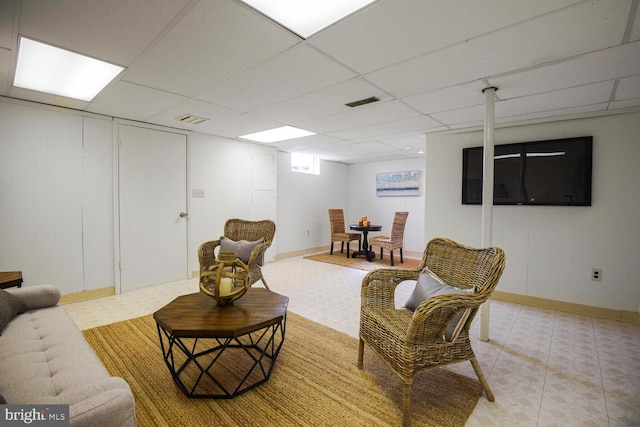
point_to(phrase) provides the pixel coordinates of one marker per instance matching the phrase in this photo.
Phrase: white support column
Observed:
(487, 193)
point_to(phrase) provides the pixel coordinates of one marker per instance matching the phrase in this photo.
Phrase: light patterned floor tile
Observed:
(546, 368)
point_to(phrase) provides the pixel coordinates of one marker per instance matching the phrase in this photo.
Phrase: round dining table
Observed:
(365, 229)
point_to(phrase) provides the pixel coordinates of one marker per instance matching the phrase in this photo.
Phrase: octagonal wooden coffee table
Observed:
(222, 351)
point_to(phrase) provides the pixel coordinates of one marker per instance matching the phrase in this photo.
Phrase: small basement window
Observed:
(305, 163)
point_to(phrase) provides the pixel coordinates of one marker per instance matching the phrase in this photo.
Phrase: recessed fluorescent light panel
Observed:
(57, 71)
(306, 17)
(278, 134)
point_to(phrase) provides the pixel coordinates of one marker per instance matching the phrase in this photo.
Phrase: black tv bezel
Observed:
(587, 141)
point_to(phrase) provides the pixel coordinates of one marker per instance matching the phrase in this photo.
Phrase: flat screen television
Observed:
(550, 173)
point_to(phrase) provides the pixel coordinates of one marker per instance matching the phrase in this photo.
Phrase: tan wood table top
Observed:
(10, 278)
(198, 315)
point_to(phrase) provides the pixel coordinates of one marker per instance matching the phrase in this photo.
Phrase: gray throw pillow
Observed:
(10, 306)
(242, 248)
(429, 285)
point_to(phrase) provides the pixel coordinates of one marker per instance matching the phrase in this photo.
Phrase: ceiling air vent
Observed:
(363, 102)
(191, 119)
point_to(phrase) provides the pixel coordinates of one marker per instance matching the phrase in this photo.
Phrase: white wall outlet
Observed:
(596, 275)
(198, 193)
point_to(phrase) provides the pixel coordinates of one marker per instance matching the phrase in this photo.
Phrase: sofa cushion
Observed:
(45, 360)
(242, 248)
(38, 296)
(10, 306)
(429, 285)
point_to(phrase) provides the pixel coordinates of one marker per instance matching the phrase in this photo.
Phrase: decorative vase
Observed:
(226, 280)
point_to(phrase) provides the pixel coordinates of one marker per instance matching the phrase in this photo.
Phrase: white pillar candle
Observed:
(226, 284)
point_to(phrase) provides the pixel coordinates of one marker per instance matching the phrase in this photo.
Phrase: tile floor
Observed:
(545, 367)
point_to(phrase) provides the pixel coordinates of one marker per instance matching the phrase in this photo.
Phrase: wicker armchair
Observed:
(338, 234)
(238, 230)
(410, 342)
(396, 240)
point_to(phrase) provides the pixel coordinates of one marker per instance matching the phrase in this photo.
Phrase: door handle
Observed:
(183, 214)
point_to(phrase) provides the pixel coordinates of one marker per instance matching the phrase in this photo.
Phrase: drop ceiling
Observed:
(426, 61)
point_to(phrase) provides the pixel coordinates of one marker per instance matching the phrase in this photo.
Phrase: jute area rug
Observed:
(315, 382)
(362, 264)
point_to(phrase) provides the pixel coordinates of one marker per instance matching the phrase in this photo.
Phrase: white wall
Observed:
(56, 193)
(551, 250)
(304, 201)
(239, 180)
(56, 212)
(381, 210)
(56, 203)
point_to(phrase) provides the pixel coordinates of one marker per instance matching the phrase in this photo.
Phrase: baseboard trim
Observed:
(85, 295)
(605, 313)
(307, 251)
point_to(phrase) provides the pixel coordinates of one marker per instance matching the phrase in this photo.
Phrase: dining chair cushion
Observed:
(242, 248)
(429, 285)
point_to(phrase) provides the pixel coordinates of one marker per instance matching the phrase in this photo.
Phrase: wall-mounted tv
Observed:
(553, 173)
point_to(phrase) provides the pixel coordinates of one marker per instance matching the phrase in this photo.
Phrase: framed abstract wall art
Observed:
(405, 183)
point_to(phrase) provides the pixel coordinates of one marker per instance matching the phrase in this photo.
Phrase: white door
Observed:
(153, 206)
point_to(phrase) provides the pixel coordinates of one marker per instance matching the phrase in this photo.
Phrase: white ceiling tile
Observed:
(626, 103)
(194, 107)
(414, 142)
(572, 97)
(115, 30)
(244, 124)
(470, 115)
(305, 143)
(572, 31)
(606, 64)
(348, 150)
(5, 70)
(382, 129)
(392, 31)
(563, 113)
(216, 40)
(6, 24)
(628, 88)
(635, 31)
(449, 98)
(324, 102)
(127, 100)
(365, 115)
(46, 98)
(295, 72)
(371, 147)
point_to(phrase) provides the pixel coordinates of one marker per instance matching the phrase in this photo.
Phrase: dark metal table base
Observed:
(369, 255)
(243, 362)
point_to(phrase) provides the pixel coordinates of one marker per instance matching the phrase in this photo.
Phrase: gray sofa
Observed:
(44, 359)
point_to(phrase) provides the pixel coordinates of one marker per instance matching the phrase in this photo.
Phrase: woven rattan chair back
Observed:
(338, 233)
(336, 221)
(396, 240)
(397, 229)
(410, 342)
(241, 229)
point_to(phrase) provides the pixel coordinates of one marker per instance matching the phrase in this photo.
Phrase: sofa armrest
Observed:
(36, 296)
(106, 403)
(111, 408)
